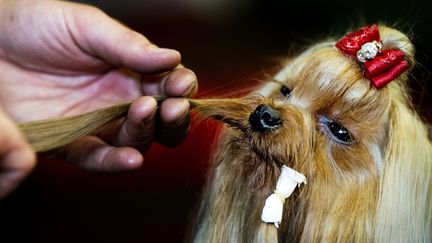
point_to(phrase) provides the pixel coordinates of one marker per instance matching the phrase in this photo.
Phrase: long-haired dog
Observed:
(365, 154)
(329, 118)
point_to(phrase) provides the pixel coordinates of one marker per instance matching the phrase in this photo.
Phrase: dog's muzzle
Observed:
(265, 118)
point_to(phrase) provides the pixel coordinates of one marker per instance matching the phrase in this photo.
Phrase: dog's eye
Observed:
(337, 131)
(285, 91)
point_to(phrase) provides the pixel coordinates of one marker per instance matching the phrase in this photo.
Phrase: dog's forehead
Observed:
(324, 73)
(324, 76)
(324, 80)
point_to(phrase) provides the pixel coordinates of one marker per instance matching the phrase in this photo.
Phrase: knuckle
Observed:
(131, 35)
(136, 42)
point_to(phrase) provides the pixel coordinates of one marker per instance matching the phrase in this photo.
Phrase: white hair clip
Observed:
(288, 180)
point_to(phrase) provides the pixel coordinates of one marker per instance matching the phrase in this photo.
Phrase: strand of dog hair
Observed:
(45, 135)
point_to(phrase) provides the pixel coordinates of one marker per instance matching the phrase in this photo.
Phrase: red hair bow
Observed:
(364, 45)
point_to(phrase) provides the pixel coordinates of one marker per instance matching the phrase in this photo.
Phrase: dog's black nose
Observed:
(265, 118)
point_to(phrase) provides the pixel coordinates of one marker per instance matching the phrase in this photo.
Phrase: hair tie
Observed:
(288, 180)
(380, 66)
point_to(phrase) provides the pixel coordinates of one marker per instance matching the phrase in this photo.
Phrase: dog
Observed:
(364, 153)
(328, 150)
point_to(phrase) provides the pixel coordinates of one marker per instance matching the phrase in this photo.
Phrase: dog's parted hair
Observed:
(375, 189)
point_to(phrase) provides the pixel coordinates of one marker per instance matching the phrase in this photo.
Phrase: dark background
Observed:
(230, 45)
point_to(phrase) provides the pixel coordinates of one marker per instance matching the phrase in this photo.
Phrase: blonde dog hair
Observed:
(375, 190)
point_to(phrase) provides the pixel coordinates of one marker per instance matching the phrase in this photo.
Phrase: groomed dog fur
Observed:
(366, 156)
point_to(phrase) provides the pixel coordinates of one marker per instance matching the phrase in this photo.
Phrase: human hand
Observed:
(61, 59)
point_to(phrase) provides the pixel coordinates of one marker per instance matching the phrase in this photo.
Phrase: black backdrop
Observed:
(229, 44)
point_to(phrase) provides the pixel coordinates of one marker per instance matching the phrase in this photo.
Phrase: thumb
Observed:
(101, 36)
(17, 158)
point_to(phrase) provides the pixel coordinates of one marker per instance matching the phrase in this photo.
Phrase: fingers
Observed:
(111, 41)
(146, 123)
(139, 128)
(17, 159)
(174, 116)
(93, 154)
(180, 82)
(128, 138)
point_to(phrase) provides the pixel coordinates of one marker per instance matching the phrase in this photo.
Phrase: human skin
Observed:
(60, 59)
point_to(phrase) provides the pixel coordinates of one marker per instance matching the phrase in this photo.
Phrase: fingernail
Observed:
(184, 117)
(190, 85)
(150, 118)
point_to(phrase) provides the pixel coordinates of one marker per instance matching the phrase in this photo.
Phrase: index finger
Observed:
(181, 82)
